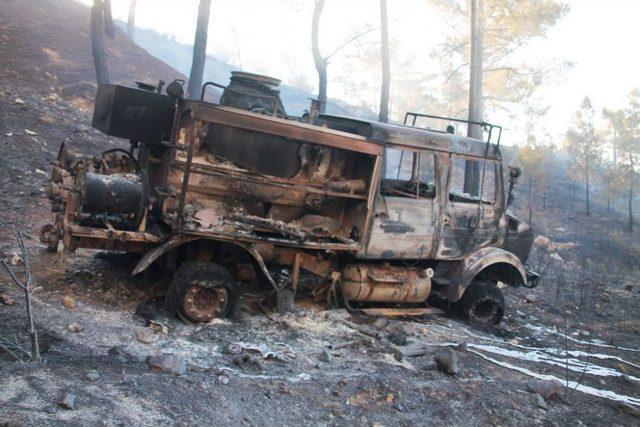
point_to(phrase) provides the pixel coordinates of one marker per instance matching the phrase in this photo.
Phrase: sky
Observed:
(273, 37)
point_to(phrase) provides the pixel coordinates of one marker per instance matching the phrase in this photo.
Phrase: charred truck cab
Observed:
(240, 192)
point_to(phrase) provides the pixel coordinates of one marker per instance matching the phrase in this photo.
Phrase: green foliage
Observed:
(623, 136)
(508, 26)
(583, 145)
(537, 161)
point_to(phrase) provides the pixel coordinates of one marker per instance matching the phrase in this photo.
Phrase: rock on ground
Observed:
(546, 388)
(68, 401)
(447, 360)
(168, 363)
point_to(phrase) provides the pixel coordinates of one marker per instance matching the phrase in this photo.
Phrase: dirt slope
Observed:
(45, 45)
(47, 83)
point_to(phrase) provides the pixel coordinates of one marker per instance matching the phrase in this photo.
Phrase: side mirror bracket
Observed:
(514, 174)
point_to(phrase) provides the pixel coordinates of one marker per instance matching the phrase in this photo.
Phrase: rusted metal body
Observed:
(385, 283)
(372, 207)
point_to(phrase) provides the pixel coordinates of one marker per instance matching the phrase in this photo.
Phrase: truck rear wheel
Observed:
(202, 291)
(482, 303)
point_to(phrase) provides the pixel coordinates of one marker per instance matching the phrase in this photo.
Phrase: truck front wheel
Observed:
(202, 291)
(482, 303)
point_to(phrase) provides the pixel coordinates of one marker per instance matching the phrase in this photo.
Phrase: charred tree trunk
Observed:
(587, 201)
(109, 27)
(544, 200)
(97, 43)
(383, 115)
(630, 209)
(131, 19)
(476, 104)
(631, 193)
(199, 50)
(530, 197)
(318, 59)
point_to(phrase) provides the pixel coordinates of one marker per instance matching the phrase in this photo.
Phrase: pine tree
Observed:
(584, 147)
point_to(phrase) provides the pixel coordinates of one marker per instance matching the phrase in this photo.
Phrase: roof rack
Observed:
(410, 119)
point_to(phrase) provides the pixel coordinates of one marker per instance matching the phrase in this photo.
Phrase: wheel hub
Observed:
(204, 304)
(484, 311)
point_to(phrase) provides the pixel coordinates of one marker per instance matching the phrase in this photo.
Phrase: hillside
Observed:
(55, 57)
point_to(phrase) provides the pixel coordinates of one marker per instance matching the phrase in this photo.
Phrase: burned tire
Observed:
(482, 303)
(202, 291)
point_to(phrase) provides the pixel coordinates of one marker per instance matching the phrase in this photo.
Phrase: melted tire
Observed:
(208, 275)
(482, 303)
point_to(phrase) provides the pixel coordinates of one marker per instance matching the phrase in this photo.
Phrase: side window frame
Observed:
(495, 200)
(415, 174)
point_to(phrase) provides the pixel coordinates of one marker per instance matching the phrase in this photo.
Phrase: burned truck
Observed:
(237, 191)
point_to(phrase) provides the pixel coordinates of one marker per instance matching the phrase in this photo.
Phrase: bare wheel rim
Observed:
(203, 304)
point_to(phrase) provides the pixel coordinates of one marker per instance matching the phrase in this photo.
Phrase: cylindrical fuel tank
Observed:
(385, 283)
(117, 193)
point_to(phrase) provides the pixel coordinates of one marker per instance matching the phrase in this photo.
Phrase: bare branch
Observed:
(25, 285)
(350, 40)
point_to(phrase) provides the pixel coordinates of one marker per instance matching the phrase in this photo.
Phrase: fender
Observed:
(494, 263)
(174, 242)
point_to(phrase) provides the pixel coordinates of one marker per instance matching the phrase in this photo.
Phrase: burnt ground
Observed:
(580, 325)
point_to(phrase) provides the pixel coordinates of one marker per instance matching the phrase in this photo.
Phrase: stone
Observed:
(566, 246)
(68, 401)
(93, 376)
(546, 388)
(223, 379)
(145, 336)
(167, 363)
(531, 298)
(324, 356)
(75, 327)
(17, 260)
(119, 354)
(398, 336)
(69, 302)
(554, 256)
(447, 360)
(543, 242)
(7, 299)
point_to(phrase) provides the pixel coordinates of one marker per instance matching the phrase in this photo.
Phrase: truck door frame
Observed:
(456, 241)
(383, 202)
